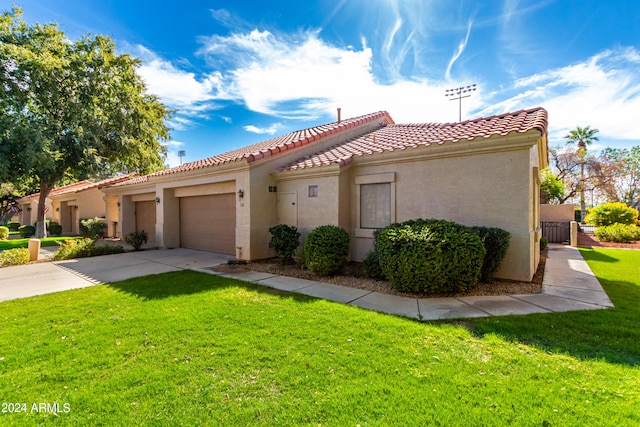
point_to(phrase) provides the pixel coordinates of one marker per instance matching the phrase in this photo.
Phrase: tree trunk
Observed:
(582, 206)
(41, 227)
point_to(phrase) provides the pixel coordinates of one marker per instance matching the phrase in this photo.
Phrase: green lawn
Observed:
(23, 243)
(188, 348)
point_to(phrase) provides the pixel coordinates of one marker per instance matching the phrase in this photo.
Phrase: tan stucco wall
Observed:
(493, 184)
(557, 213)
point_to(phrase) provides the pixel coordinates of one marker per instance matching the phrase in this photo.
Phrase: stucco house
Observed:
(361, 174)
(68, 204)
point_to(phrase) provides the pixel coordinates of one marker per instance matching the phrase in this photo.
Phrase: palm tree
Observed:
(582, 137)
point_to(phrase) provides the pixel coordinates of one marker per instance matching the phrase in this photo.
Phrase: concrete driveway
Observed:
(46, 277)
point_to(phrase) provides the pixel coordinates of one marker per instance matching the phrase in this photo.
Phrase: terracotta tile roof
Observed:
(84, 185)
(273, 146)
(62, 190)
(109, 181)
(403, 136)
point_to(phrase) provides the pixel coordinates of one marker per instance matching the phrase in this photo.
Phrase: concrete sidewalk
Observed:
(47, 277)
(568, 284)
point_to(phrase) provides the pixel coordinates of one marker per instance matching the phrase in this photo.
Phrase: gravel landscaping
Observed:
(353, 277)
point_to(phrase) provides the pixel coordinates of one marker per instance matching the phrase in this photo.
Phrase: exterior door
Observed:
(146, 218)
(288, 209)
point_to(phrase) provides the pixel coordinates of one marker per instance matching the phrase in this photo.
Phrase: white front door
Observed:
(288, 209)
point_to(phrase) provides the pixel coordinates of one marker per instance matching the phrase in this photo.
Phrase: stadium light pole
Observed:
(457, 94)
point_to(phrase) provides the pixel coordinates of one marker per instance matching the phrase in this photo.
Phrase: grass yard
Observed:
(24, 243)
(188, 348)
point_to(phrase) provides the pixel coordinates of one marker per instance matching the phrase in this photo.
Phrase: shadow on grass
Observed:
(598, 256)
(188, 282)
(611, 335)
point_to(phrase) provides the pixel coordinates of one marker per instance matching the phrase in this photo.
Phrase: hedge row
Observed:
(436, 256)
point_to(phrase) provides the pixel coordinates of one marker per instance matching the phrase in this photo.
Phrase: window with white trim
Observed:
(375, 205)
(376, 201)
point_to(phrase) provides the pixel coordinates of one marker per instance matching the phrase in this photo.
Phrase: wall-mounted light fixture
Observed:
(75, 207)
(118, 204)
(57, 209)
(241, 194)
(157, 200)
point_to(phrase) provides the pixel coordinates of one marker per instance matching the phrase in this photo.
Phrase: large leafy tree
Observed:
(72, 108)
(621, 171)
(582, 137)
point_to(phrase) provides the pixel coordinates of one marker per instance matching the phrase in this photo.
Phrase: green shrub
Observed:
(137, 239)
(4, 232)
(93, 228)
(612, 213)
(97, 250)
(17, 256)
(619, 233)
(496, 243)
(326, 250)
(13, 226)
(82, 248)
(27, 230)
(371, 266)
(430, 256)
(544, 242)
(285, 240)
(70, 249)
(55, 229)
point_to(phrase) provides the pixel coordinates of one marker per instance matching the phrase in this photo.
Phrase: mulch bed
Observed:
(588, 240)
(353, 277)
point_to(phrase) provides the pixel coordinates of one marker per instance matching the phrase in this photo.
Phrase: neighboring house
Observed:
(361, 174)
(69, 204)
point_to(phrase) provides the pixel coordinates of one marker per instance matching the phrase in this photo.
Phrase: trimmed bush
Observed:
(496, 243)
(137, 239)
(94, 228)
(55, 229)
(82, 248)
(13, 226)
(285, 239)
(612, 213)
(544, 242)
(371, 266)
(619, 233)
(434, 256)
(27, 230)
(4, 232)
(17, 256)
(326, 250)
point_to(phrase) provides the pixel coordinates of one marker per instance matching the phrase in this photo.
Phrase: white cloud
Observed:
(602, 92)
(190, 95)
(303, 77)
(263, 130)
(461, 47)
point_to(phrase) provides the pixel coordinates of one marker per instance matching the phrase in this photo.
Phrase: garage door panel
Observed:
(208, 223)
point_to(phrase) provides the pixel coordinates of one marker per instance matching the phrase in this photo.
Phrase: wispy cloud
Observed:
(191, 96)
(461, 47)
(270, 130)
(602, 91)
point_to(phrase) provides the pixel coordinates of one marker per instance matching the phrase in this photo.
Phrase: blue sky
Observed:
(240, 72)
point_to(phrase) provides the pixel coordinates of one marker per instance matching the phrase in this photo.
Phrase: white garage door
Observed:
(146, 218)
(208, 223)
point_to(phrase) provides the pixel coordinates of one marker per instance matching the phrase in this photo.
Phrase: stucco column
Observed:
(574, 234)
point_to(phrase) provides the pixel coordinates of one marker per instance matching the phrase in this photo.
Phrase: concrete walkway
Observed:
(47, 277)
(568, 284)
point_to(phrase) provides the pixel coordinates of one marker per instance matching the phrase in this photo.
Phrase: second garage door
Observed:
(209, 223)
